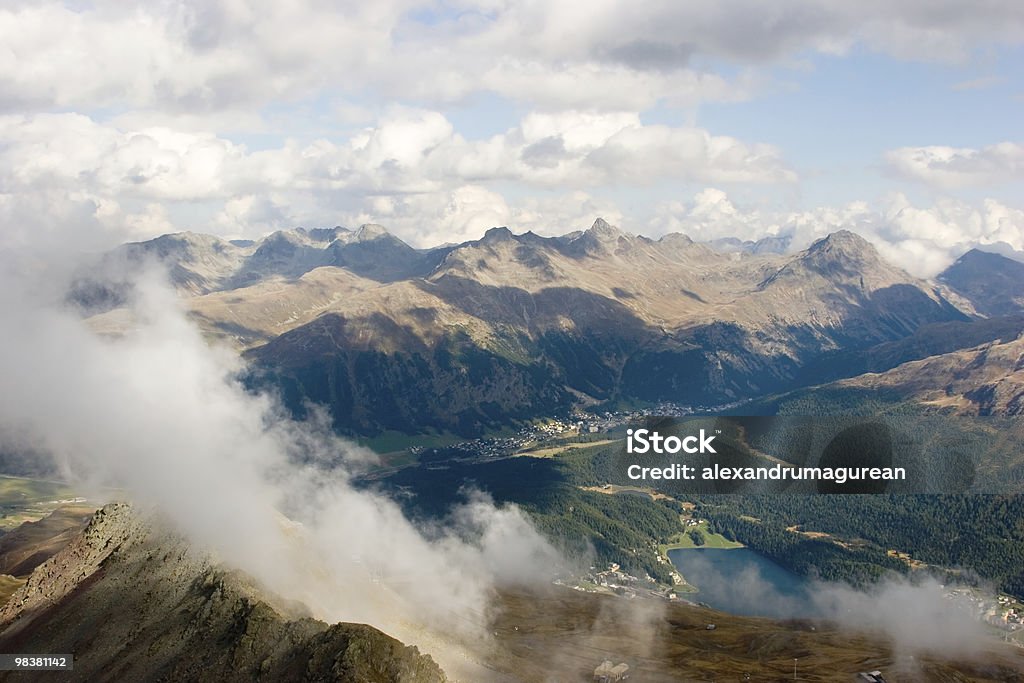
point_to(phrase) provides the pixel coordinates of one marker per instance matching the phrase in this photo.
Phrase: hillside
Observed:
(135, 603)
(993, 283)
(984, 380)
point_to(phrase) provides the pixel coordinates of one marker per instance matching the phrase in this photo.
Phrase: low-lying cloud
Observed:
(917, 616)
(162, 414)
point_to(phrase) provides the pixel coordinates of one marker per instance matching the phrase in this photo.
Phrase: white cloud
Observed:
(71, 151)
(414, 156)
(465, 213)
(227, 54)
(952, 167)
(430, 219)
(252, 216)
(922, 240)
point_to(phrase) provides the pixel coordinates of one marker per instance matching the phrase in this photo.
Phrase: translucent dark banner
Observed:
(808, 455)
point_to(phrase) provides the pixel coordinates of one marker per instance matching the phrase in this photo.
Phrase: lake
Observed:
(740, 581)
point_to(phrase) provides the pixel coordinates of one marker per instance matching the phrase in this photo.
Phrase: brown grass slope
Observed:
(134, 604)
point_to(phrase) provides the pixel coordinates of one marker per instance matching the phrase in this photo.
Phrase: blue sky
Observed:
(123, 120)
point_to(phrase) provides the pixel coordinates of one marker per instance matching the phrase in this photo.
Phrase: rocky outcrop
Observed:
(135, 602)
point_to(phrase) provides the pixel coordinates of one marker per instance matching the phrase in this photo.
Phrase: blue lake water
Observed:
(740, 581)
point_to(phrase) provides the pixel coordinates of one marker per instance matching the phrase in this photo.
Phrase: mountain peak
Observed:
(601, 238)
(845, 240)
(841, 257)
(371, 231)
(981, 257)
(843, 251)
(495, 235)
(604, 231)
(181, 240)
(993, 283)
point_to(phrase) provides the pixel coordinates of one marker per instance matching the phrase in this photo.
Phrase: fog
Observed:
(161, 413)
(916, 616)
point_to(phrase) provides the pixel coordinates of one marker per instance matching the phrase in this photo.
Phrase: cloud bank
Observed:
(922, 240)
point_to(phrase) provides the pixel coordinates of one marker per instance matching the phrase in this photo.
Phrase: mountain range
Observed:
(472, 336)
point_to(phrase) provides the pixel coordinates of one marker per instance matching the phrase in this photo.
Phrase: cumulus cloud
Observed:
(411, 159)
(157, 79)
(952, 167)
(465, 213)
(435, 218)
(922, 240)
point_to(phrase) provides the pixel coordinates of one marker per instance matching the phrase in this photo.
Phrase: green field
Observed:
(562, 448)
(682, 540)
(28, 500)
(393, 441)
(9, 584)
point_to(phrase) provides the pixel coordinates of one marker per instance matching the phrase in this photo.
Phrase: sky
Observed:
(899, 119)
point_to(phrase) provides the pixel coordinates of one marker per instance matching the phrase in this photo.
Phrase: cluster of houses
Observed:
(489, 447)
(578, 422)
(871, 677)
(1002, 614)
(1008, 615)
(615, 580)
(606, 672)
(592, 423)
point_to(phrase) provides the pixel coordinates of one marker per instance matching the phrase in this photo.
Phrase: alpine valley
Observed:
(501, 368)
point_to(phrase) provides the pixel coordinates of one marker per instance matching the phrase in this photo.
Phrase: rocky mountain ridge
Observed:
(135, 602)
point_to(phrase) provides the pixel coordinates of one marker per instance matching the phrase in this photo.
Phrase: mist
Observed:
(917, 617)
(914, 615)
(161, 414)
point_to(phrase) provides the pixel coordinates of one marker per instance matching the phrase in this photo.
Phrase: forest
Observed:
(964, 537)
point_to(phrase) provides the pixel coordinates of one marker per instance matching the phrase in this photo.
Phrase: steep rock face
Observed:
(993, 283)
(135, 603)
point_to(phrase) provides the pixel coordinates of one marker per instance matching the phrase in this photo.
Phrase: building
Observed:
(607, 673)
